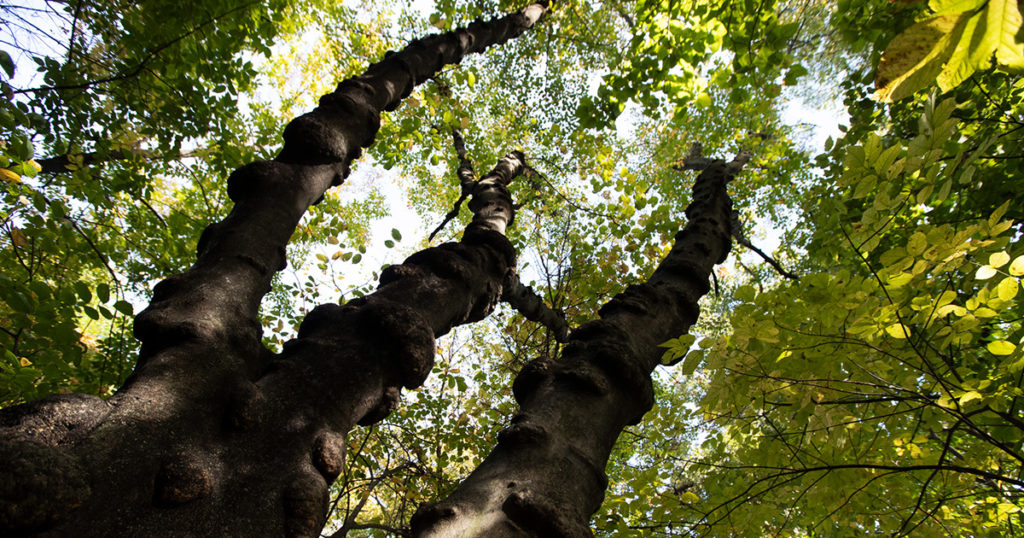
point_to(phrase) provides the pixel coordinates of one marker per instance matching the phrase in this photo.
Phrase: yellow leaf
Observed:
(985, 312)
(900, 280)
(896, 330)
(916, 56)
(1017, 267)
(1000, 347)
(998, 259)
(1003, 16)
(1007, 289)
(985, 272)
(8, 175)
(973, 50)
(18, 237)
(970, 395)
(688, 497)
(954, 6)
(25, 362)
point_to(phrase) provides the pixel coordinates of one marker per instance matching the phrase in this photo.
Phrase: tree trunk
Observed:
(213, 435)
(546, 475)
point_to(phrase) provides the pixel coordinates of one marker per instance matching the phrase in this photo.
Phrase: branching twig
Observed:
(466, 180)
(737, 233)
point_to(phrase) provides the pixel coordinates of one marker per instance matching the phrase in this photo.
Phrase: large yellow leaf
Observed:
(1004, 17)
(915, 57)
(971, 52)
(942, 7)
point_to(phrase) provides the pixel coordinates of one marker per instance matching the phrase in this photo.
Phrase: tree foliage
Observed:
(879, 392)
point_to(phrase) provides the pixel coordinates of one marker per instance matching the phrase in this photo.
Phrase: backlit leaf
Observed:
(1000, 347)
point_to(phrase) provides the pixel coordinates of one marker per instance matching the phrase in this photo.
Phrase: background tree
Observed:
(597, 213)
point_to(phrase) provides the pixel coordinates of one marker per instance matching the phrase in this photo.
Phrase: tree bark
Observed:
(546, 475)
(213, 435)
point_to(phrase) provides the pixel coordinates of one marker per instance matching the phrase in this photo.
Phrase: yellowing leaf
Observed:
(688, 497)
(985, 272)
(900, 280)
(18, 237)
(998, 259)
(10, 176)
(896, 330)
(916, 56)
(973, 51)
(985, 312)
(1017, 267)
(918, 242)
(1007, 288)
(970, 395)
(945, 310)
(1007, 508)
(25, 362)
(1000, 347)
(1003, 16)
(941, 7)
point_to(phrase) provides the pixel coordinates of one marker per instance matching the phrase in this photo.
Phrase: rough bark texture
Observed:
(213, 435)
(546, 475)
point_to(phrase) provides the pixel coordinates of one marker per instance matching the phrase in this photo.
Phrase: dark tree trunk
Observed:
(546, 475)
(213, 435)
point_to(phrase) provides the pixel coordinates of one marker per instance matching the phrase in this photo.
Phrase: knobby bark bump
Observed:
(546, 475)
(214, 435)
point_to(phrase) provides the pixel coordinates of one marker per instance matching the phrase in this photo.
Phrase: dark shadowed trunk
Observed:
(213, 435)
(546, 475)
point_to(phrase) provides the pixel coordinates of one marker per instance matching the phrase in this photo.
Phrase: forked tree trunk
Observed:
(213, 435)
(545, 478)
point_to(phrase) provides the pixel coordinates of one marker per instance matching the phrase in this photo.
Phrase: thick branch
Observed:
(213, 435)
(546, 475)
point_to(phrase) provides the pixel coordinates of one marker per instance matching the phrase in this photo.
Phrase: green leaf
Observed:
(124, 307)
(7, 63)
(746, 293)
(82, 289)
(103, 292)
(691, 361)
(396, 235)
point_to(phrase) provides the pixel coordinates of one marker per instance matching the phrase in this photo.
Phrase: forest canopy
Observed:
(858, 365)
